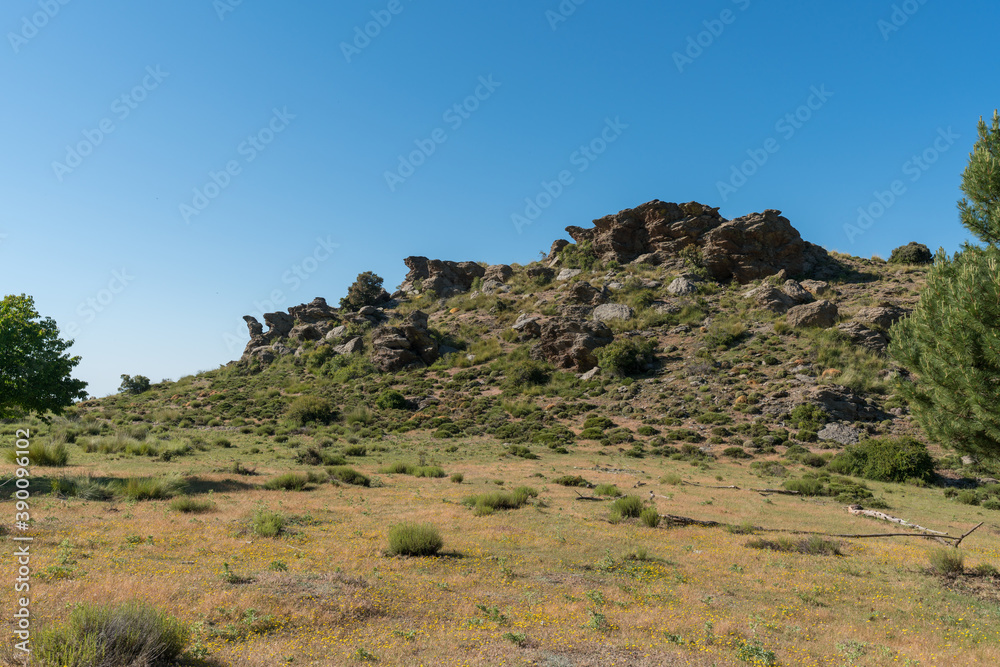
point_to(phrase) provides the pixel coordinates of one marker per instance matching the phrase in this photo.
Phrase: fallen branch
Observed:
(687, 521)
(579, 496)
(784, 492)
(707, 486)
(859, 510)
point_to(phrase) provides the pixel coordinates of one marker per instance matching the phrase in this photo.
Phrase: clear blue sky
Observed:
(93, 224)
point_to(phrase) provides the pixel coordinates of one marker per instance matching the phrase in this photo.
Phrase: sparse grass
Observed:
(813, 545)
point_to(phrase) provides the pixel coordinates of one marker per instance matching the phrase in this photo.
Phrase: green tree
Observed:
(366, 291)
(951, 342)
(34, 368)
(134, 385)
(980, 209)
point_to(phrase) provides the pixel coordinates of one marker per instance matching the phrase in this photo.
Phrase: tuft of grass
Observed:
(650, 517)
(39, 454)
(457, 478)
(627, 507)
(149, 488)
(348, 475)
(134, 633)
(396, 468)
(190, 505)
(607, 490)
(429, 471)
(814, 545)
(947, 561)
(290, 481)
(571, 480)
(487, 503)
(411, 539)
(671, 478)
(267, 523)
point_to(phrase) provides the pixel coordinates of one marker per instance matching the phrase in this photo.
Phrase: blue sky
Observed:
(170, 167)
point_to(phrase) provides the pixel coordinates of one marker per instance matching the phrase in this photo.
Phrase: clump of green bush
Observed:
(305, 409)
(911, 253)
(290, 481)
(885, 460)
(607, 490)
(650, 517)
(411, 539)
(390, 399)
(624, 357)
(110, 635)
(190, 505)
(149, 488)
(627, 507)
(947, 561)
(348, 475)
(814, 545)
(41, 454)
(528, 373)
(571, 480)
(487, 503)
(268, 523)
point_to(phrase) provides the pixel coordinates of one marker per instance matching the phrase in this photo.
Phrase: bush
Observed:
(650, 517)
(365, 291)
(45, 455)
(624, 357)
(410, 539)
(571, 480)
(305, 409)
(391, 399)
(429, 471)
(528, 373)
(190, 505)
(487, 503)
(290, 481)
(348, 475)
(947, 561)
(396, 468)
(885, 460)
(736, 453)
(109, 636)
(149, 488)
(267, 523)
(134, 385)
(627, 507)
(911, 253)
(457, 478)
(607, 490)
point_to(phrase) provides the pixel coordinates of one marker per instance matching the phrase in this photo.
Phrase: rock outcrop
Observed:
(570, 344)
(821, 314)
(406, 346)
(441, 277)
(744, 249)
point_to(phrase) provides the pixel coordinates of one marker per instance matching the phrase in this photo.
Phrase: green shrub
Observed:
(267, 523)
(486, 503)
(967, 497)
(134, 633)
(429, 471)
(806, 486)
(149, 488)
(190, 505)
(627, 356)
(571, 480)
(528, 373)
(947, 561)
(305, 409)
(396, 468)
(627, 507)
(911, 253)
(39, 454)
(736, 453)
(390, 399)
(410, 539)
(348, 475)
(134, 385)
(366, 290)
(457, 478)
(885, 460)
(650, 517)
(290, 481)
(356, 451)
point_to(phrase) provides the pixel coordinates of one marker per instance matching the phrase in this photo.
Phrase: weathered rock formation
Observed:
(743, 249)
(444, 278)
(406, 346)
(569, 343)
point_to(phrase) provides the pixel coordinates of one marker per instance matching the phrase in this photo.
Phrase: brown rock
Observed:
(571, 343)
(881, 316)
(821, 314)
(501, 273)
(441, 277)
(863, 336)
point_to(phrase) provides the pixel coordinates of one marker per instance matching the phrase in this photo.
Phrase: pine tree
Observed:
(366, 291)
(951, 342)
(980, 210)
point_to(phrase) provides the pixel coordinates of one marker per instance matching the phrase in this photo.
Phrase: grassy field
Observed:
(555, 582)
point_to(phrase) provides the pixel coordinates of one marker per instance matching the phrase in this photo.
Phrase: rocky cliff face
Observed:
(744, 249)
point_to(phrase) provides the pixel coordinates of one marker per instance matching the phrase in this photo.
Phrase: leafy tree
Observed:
(366, 291)
(34, 369)
(980, 210)
(951, 342)
(133, 385)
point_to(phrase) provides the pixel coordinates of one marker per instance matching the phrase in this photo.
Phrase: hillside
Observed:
(712, 369)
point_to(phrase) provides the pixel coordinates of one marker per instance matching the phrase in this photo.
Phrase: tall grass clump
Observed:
(487, 503)
(268, 523)
(305, 409)
(947, 561)
(348, 475)
(110, 636)
(189, 505)
(626, 508)
(39, 454)
(290, 481)
(150, 488)
(411, 539)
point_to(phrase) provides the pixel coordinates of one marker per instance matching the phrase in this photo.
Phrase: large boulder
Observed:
(822, 314)
(444, 278)
(570, 344)
(315, 311)
(682, 285)
(744, 249)
(410, 345)
(881, 316)
(613, 311)
(498, 272)
(770, 298)
(585, 293)
(861, 335)
(796, 291)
